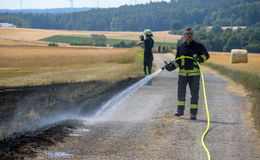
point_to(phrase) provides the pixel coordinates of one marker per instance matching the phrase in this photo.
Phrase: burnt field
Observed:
(34, 118)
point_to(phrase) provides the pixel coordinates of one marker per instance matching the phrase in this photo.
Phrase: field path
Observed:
(143, 126)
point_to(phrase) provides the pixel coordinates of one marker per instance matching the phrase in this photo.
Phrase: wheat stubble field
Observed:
(30, 63)
(36, 34)
(223, 58)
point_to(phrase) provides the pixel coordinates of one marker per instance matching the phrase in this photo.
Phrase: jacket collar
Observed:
(191, 43)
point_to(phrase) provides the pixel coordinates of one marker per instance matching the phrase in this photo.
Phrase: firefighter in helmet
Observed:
(148, 43)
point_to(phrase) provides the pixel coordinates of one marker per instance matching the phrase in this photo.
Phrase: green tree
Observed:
(216, 29)
(14, 20)
(176, 25)
(232, 43)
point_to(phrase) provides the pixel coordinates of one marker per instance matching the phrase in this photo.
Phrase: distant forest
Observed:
(52, 10)
(156, 16)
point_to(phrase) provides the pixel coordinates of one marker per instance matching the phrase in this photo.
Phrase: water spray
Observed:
(125, 93)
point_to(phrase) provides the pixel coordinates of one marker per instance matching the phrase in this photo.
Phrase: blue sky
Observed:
(42, 4)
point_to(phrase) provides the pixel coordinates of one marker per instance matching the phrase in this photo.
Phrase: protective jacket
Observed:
(189, 67)
(148, 55)
(148, 45)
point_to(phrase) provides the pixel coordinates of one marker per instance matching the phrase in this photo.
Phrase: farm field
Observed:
(36, 34)
(32, 64)
(223, 58)
(26, 61)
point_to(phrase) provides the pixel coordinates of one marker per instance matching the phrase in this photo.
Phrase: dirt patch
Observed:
(25, 145)
(26, 109)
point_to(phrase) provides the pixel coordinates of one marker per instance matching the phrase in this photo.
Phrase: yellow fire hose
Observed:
(207, 112)
(206, 104)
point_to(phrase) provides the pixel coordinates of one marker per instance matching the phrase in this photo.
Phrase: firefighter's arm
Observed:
(178, 54)
(141, 38)
(169, 66)
(172, 65)
(203, 54)
(140, 43)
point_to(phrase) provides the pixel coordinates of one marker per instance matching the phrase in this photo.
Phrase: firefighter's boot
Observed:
(193, 113)
(180, 111)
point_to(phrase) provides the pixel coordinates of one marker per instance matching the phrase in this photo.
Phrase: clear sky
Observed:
(43, 4)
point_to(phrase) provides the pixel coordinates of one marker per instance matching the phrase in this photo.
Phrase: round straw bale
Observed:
(238, 56)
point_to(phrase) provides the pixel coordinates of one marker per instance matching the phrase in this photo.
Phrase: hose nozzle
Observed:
(165, 63)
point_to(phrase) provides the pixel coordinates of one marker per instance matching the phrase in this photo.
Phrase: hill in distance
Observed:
(52, 10)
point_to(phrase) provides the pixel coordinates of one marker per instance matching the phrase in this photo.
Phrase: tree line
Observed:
(218, 39)
(154, 15)
(14, 20)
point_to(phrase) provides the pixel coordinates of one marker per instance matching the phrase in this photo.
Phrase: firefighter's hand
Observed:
(196, 59)
(170, 67)
(141, 37)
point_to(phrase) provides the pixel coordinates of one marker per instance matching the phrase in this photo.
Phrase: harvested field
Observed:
(9, 42)
(36, 34)
(32, 63)
(38, 56)
(223, 58)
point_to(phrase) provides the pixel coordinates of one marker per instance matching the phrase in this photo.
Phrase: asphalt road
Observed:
(142, 126)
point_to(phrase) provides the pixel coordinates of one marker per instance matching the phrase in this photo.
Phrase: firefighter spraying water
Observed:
(188, 58)
(188, 55)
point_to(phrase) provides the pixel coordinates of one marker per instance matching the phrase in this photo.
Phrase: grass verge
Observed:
(250, 81)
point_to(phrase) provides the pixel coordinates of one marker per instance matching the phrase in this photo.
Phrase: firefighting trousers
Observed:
(193, 82)
(148, 66)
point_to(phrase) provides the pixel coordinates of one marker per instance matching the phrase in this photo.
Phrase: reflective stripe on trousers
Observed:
(193, 82)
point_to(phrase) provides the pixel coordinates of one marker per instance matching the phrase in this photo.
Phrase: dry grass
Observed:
(29, 63)
(21, 43)
(38, 56)
(13, 77)
(36, 34)
(223, 58)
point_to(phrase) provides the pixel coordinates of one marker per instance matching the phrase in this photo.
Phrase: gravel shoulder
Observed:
(143, 126)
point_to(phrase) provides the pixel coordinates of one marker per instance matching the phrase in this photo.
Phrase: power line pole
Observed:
(97, 3)
(21, 2)
(71, 3)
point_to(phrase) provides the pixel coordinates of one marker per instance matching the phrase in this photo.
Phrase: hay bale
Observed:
(238, 56)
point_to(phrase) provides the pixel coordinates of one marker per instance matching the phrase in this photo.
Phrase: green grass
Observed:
(250, 81)
(139, 60)
(84, 40)
(81, 40)
(166, 44)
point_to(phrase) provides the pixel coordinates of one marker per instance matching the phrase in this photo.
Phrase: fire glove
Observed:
(170, 67)
(197, 59)
(141, 37)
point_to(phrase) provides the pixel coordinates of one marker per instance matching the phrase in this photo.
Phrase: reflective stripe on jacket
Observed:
(188, 67)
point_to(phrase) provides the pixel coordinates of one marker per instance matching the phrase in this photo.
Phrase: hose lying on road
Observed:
(207, 112)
